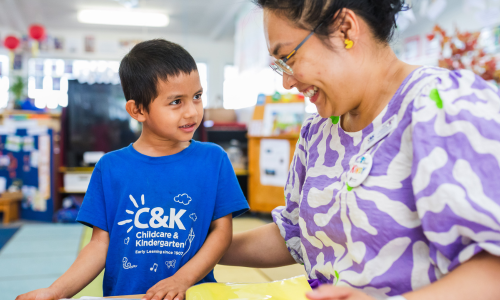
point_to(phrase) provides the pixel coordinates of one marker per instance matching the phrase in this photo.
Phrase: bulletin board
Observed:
(26, 161)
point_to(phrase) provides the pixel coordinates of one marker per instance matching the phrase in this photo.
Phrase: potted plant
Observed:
(17, 89)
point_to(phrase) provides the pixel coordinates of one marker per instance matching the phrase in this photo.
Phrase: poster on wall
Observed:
(412, 48)
(59, 43)
(283, 118)
(18, 62)
(89, 44)
(274, 161)
(73, 45)
(44, 166)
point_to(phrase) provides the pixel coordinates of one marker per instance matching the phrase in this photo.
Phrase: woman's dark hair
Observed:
(149, 62)
(379, 14)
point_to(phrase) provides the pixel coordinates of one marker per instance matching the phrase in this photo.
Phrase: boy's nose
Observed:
(190, 110)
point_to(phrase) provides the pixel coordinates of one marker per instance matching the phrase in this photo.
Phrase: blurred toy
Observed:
(69, 212)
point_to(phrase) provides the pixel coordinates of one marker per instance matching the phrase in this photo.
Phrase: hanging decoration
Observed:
(36, 32)
(11, 42)
(462, 51)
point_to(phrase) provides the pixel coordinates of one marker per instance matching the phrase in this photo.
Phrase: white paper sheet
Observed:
(274, 162)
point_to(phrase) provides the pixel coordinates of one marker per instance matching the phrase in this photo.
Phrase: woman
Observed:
(393, 187)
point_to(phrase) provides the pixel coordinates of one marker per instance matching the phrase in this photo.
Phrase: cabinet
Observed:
(264, 198)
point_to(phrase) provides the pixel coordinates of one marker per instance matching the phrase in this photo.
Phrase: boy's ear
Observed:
(134, 111)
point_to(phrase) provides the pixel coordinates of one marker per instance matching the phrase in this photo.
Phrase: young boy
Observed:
(161, 209)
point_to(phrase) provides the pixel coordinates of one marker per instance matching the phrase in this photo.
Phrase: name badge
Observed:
(360, 170)
(389, 126)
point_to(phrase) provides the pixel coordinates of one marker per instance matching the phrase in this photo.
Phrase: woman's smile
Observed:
(311, 93)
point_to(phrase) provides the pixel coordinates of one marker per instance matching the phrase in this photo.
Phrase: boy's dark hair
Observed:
(149, 62)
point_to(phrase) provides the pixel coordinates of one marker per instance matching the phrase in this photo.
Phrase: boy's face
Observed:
(178, 110)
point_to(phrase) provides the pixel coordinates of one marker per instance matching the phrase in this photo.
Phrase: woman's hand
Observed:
(330, 292)
(172, 288)
(41, 294)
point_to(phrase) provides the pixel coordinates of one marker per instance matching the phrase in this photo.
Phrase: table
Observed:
(128, 297)
(9, 206)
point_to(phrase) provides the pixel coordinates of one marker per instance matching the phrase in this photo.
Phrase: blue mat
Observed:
(5, 235)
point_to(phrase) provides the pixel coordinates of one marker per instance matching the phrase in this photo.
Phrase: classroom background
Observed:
(62, 108)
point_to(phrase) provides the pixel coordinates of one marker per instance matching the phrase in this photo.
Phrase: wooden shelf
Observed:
(31, 113)
(86, 170)
(64, 191)
(279, 137)
(241, 172)
(76, 169)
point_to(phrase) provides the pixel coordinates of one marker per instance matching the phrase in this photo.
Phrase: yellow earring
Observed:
(349, 44)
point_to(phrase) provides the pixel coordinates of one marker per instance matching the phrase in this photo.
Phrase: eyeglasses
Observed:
(280, 65)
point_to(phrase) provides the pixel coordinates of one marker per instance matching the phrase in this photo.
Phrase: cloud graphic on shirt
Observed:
(193, 217)
(183, 199)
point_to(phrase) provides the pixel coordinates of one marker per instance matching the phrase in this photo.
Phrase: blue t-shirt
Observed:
(158, 211)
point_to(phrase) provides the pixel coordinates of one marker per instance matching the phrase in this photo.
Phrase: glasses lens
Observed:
(283, 66)
(276, 68)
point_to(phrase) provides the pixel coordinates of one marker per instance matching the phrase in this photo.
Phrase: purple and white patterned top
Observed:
(430, 202)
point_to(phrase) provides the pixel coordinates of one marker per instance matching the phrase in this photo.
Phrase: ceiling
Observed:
(209, 18)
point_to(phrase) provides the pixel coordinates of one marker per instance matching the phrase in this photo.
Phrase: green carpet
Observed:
(94, 289)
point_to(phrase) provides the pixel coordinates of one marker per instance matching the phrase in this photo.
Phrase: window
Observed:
(242, 90)
(203, 72)
(4, 81)
(48, 78)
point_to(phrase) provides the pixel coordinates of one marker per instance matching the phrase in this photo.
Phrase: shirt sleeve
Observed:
(93, 210)
(287, 217)
(230, 198)
(456, 168)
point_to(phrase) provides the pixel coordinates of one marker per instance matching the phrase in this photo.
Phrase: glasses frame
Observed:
(280, 66)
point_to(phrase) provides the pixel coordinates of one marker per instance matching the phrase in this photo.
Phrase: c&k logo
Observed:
(157, 219)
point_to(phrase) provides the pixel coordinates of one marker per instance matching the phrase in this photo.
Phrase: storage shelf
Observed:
(86, 170)
(76, 169)
(279, 137)
(64, 191)
(241, 172)
(33, 113)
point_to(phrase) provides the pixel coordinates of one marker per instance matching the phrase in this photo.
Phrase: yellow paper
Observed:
(293, 288)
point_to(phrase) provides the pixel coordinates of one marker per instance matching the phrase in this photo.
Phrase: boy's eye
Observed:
(175, 102)
(197, 97)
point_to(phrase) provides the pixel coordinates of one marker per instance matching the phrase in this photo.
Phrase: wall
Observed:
(216, 53)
